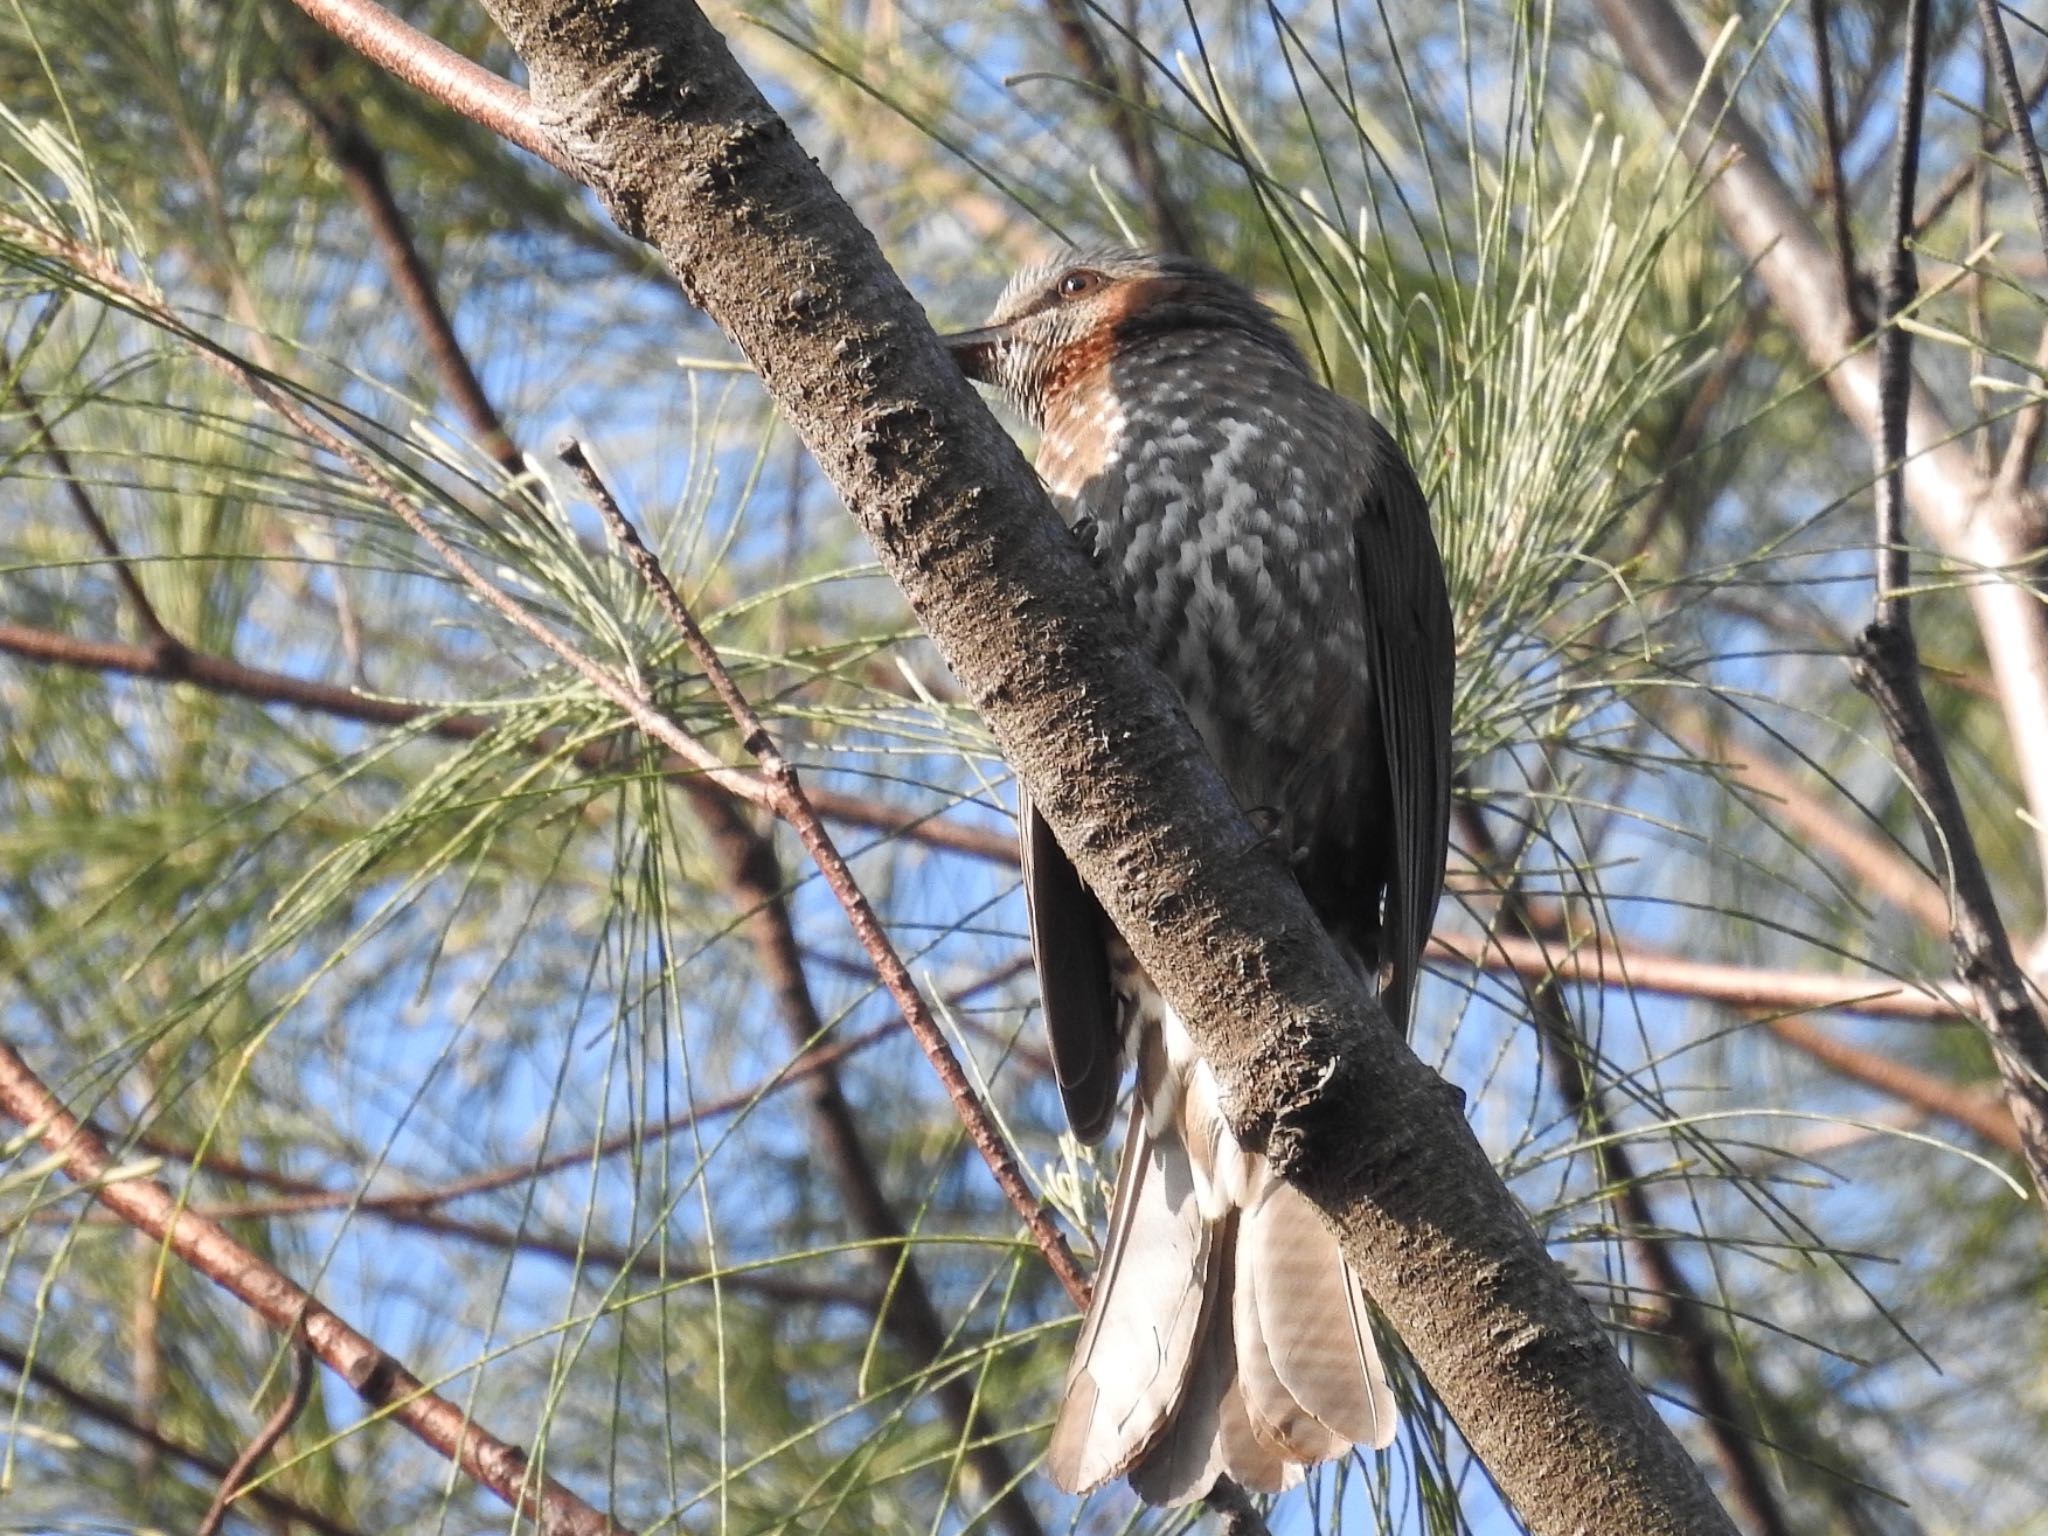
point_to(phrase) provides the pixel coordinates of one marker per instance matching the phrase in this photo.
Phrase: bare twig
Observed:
(386, 1386)
(1171, 224)
(1772, 998)
(1831, 134)
(114, 1416)
(312, 1196)
(751, 868)
(362, 168)
(1958, 180)
(1999, 53)
(274, 1429)
(41, 435)
(1887, 668)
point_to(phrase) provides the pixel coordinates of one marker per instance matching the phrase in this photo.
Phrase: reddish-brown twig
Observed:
(226, 676)
(793, 805)
(441, 73)
(274, 1428)
(382, 1383)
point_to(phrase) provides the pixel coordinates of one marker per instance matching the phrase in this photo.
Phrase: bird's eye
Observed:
(1079, 281)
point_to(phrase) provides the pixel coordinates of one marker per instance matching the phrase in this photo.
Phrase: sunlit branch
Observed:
(1603, 962)
(439, 72)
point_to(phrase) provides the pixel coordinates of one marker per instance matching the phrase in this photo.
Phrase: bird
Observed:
(1273, 546)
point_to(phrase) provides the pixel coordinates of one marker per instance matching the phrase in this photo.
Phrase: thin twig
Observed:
(274, 1429)
(42, 436)
(789, 800)
(362, 168)
(1838, 191)
(1887, 668)
(224, 675)
(750, 865)
(114, 1416)
(1171, 225)
(1999, 50)
(386, 1386)
(1958, 180)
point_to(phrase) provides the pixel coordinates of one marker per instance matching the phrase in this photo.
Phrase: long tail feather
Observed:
(1137, 1345)
(1312, 1319)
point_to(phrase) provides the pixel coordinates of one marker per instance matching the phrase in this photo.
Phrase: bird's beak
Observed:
(975, 351)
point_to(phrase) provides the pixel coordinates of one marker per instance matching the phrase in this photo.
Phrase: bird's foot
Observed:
(1270, 824)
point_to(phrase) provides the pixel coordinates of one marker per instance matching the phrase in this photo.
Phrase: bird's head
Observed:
(1060, 325)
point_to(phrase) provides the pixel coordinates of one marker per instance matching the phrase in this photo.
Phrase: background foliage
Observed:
(574, 1090)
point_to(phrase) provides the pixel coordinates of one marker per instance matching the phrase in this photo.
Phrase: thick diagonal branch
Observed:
(646, 99)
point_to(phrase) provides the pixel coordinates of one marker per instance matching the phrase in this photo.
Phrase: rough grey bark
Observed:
(649, 106)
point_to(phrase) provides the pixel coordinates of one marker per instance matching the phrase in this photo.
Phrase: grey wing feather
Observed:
(1069, 944)
(1410, 653)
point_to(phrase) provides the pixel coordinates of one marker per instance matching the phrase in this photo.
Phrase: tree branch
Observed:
(224, 675)
(40, 435)
(1978, 525)
(441, 73)
(362, 169)
(1958, 180)
(686, 153)
(1735, 986)
(1171, 224)
(1888, 669)
(2018, 121)
(383, 1384)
